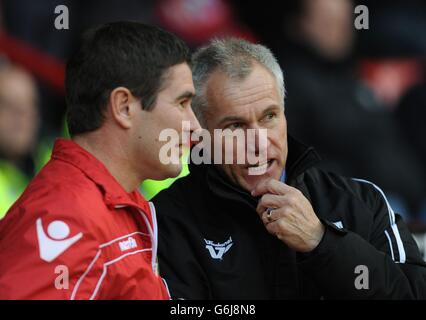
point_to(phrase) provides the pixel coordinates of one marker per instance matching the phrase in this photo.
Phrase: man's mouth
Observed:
(260, 168)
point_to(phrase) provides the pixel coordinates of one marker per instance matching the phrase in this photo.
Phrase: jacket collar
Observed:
(114, 194)
(300, 158)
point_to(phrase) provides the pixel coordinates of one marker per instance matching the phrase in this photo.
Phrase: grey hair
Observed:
(235, 57)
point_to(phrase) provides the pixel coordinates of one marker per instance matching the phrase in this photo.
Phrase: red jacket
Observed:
(76, 234)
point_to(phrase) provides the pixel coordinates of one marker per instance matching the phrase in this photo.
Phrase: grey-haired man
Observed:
(293, 231)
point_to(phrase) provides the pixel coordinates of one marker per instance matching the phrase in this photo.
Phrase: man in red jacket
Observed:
(81, 230)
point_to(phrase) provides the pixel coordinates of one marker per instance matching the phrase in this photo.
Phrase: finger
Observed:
(269, 201)
(276, 227)
(265, 217)
(269, 216)
(271, 186)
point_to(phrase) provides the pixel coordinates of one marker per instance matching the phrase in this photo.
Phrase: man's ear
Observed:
(120, 101)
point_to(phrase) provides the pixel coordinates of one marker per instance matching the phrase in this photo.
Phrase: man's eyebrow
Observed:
(186, 95)
(231, 119)
(273, 107)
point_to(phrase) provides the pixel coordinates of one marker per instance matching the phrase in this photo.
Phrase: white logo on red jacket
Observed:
(128, 244)
(52, 244)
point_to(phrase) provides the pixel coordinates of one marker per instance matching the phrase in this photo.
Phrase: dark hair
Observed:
(128, 54)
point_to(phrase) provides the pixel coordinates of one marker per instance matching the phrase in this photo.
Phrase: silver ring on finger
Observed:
(269, 212)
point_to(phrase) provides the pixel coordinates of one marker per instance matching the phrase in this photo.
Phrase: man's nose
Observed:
(258, 141)
(194, 124)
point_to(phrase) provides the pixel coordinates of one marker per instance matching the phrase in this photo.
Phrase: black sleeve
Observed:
(387, 266)
(177, 255)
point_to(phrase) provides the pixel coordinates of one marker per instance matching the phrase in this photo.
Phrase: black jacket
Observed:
(212, 243)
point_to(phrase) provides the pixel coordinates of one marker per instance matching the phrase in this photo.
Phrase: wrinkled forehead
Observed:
(227, 95)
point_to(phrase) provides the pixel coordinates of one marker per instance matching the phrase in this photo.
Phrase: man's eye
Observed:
(183, 104)
(269, 116)
(234, 126)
